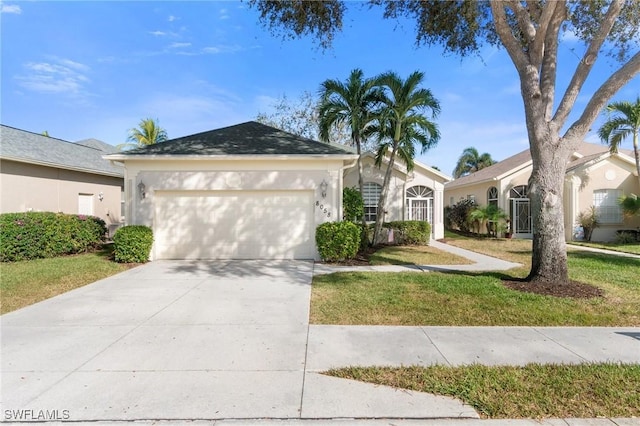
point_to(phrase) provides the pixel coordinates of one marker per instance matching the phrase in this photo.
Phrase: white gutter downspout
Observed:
(341, 180)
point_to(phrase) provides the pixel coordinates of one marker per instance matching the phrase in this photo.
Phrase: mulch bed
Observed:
(572, 289)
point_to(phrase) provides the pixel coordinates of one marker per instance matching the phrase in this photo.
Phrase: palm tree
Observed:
(471, 161)
(148, 132)
(353, 104)
(400, 126)
(624, 122)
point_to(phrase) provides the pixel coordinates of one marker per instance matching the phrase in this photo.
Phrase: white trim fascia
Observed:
(514, 170)
(400, 167)
(62, 166)
(263, 157)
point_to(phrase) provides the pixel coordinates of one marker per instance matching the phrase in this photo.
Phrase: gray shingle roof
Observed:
(250, 138)
(20, 145)
(589, 151)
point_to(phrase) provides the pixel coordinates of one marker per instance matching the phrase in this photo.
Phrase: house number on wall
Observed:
(323, 209)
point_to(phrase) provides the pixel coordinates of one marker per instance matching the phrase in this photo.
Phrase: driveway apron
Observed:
(167, 340)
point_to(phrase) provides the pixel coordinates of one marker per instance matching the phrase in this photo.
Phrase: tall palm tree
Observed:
(471, 161)
(352, 103)
(401, 126)
(624, 121)
(148, 132)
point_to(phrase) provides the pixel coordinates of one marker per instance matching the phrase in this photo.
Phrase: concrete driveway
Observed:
(185, 340)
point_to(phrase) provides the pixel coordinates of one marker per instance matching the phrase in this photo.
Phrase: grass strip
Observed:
(28, 282)
(533, 391)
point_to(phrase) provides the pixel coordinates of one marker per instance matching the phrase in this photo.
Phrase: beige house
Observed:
(251, 191)
(594, 177)
(415, 195)
(40, 173)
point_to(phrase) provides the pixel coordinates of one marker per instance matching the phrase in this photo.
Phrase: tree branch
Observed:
(524, 20)
(537, 47)
(549, 54)
(511, 44)
(586, 64)
(599, 99)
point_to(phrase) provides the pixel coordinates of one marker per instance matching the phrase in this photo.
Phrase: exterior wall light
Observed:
(323, 188)
(101, 196)
(142, 190)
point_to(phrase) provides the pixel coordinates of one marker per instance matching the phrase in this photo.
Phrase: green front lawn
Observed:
(534, 391)
(25, 283)
(415, 255)
(479, 299)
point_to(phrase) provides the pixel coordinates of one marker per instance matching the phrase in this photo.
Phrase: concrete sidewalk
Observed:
(334, 346)
(602, 251)
(481, 263)
(177, 342)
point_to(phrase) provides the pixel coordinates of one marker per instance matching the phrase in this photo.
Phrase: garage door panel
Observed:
(234, 225)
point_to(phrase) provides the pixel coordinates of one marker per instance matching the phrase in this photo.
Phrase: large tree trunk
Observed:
(546, 186)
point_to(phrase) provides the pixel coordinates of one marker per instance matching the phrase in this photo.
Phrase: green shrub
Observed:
(352, 205)
(132, 244)
(410, 232)
(338, 240)
(589, 221)
(457, 216)
(35, 235)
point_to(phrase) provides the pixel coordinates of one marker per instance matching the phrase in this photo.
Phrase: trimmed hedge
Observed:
(410, 232)
(36, 235)
(132, 244)
(338, 240)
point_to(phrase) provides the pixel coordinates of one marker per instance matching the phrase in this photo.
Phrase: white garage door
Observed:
(234, 225)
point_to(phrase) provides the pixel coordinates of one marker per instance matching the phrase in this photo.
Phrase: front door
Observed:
(521, 218)
(420, 209)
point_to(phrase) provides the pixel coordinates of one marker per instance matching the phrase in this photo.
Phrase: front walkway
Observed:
(481, 263)
(603, 251)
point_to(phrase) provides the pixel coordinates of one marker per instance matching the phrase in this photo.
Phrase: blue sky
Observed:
(84, 69)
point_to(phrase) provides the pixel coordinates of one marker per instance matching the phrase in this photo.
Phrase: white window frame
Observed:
(607, 207)
(492, 196)
(371, 196)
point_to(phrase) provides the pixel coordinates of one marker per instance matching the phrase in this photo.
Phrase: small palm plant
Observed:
(490, 217)
(589, 221)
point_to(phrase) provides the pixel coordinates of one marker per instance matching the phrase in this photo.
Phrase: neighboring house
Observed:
(40, 173)
(247, 191)
(415, 195)
(594, 177)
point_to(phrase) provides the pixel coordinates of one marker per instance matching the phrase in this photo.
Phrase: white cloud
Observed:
(172, 18)
(179, 45)
(223, 14)
(11, 8)
(222, 49)
(60, 76)
(158, 33)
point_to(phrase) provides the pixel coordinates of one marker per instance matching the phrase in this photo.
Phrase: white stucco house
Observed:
(249, 191)
(594, 177)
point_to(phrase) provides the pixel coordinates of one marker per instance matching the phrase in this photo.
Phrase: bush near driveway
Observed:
(34, 235)
(338, 241)
(132, 244)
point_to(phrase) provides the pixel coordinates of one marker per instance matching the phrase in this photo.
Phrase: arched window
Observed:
(371, 196)
(492, 196)
(420, 203)
(521, 191)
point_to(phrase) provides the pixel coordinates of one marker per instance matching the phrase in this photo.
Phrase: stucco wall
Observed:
(29, 187)
(228, 175)
(610, 173)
